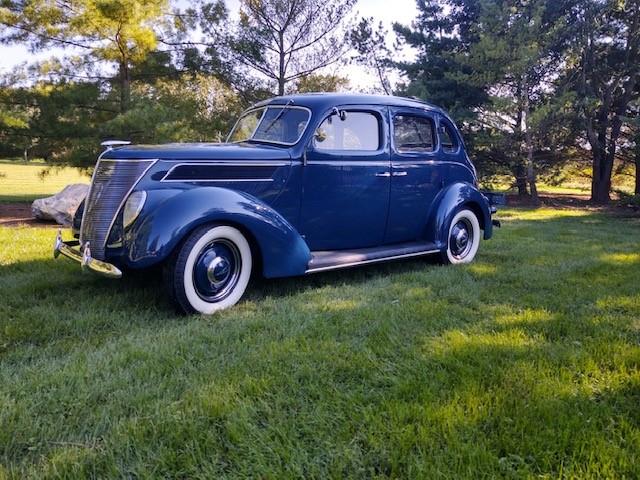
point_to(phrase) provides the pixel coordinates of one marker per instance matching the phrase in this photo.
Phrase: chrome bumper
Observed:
(83, 257)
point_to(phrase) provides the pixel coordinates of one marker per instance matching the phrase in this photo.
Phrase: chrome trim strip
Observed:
(127, 160)
(350, 163)
(267, 163)
(404, 163)
(365, 262)
(223, 180)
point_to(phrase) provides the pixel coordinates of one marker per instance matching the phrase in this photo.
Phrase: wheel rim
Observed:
(217, 270)
(461, 239)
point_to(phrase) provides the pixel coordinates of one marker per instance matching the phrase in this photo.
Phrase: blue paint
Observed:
(313, 198)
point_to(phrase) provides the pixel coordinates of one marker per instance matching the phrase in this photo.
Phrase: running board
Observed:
(322, 261)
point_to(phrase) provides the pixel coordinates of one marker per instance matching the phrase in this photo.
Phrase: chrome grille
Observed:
(112, 181)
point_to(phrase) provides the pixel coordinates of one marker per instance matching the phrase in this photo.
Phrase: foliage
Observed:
(443, 34)
(192, 108)
(122, 32)
(321, 83)
(285, 40)
(523, 364)
(493, 64)
(371, 50)
(604, 72)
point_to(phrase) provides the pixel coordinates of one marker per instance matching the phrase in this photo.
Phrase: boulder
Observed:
(62, 206)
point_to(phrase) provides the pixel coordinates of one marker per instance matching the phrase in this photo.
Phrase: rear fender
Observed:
(446, 205)
(157, 233)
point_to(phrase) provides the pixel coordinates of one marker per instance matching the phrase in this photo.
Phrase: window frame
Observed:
(420, 115)
(266, 107)
(445, 123)
(377, 114)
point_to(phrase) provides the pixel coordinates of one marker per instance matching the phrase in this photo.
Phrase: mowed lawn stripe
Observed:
(24, 182)
(523, 364)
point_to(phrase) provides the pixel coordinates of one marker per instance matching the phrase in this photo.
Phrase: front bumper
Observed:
(83, 257)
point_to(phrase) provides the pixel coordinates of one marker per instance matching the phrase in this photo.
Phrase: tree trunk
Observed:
(125, 86)
(531, 172)
(637, 189)
(521, 180)
(281, 65)
(601, 177)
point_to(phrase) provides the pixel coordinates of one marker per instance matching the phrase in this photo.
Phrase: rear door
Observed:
(345, 197)
(417, 176)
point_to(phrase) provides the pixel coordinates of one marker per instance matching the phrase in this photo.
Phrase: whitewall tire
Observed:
(463, 238)
(211, 270)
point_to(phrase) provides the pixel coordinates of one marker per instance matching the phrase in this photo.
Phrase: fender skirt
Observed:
(446, 205)
(153, 238)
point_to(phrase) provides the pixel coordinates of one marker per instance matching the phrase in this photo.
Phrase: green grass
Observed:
(525, 364)
(20, 182)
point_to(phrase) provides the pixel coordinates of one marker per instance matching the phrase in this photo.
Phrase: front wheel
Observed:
(211, 269)
(463, 238)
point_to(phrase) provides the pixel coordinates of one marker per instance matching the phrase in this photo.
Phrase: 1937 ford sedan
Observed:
(304, 184)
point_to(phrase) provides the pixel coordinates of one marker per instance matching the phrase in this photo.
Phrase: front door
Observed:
(345, 196)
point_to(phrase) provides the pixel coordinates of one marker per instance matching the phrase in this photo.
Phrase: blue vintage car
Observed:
(304, 184)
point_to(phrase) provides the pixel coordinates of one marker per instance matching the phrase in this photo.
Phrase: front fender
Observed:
(157, 233)
(446, 205)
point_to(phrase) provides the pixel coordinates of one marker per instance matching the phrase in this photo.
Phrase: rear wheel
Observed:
(463, 239)
(211, 270)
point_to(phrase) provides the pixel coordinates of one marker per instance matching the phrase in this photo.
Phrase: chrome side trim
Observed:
(350, 163)
(225, 164)
(365, 262)
(219, 180)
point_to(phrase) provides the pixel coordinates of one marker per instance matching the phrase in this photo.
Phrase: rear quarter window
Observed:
(448, 137)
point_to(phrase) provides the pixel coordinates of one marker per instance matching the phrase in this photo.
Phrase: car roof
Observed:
(327, 100)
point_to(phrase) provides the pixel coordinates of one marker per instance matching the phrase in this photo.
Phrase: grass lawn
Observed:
(523, 364)
(20, 182)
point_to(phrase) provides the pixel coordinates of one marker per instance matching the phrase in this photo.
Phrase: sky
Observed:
(387, 11)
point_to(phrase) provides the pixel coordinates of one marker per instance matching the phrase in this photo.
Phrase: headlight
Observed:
(133, 206)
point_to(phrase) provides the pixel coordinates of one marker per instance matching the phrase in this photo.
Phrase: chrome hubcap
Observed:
(461, 239)
(216, 270)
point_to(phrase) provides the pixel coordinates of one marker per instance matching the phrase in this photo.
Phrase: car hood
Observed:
(200, 151)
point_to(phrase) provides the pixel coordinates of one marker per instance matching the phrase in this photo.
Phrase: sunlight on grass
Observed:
(482, 268)
(521, 365)
(21, 182)
(621, 257)
(525, 317)
(540, 214)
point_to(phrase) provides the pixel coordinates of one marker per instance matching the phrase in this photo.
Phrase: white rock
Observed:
(62, 206)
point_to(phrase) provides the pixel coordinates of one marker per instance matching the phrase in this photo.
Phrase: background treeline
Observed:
(536, 85)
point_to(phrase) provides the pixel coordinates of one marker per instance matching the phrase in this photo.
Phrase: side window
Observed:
(448, 138)
(413, 134)
(354, 131)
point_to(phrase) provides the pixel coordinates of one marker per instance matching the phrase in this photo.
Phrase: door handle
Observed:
(383, 174)
(399, 174)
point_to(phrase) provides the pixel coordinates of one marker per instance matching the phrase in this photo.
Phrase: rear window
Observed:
(413, 134)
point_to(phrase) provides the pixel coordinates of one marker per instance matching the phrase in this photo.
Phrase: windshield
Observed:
(274, 124)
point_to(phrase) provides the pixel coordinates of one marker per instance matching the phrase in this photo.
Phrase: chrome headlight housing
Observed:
(133, 207)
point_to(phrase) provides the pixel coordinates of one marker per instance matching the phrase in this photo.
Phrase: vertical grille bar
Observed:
(112, 181)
